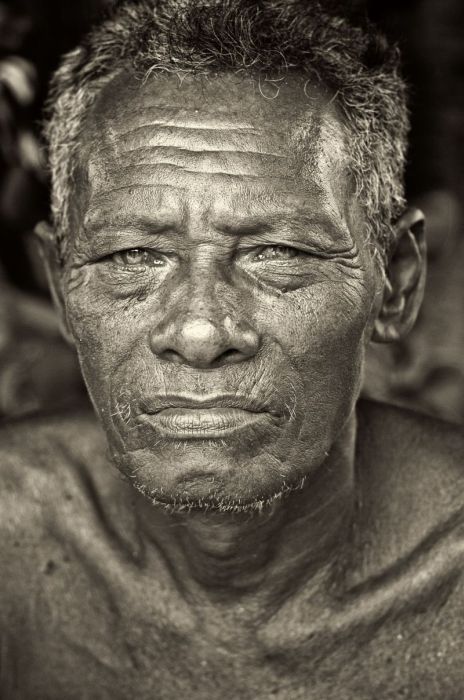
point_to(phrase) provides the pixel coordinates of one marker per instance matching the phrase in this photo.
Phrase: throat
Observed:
(264, 556)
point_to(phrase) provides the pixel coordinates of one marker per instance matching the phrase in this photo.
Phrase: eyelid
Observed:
(141, 248)
(290, 246)
(109, 242)
(281, 238)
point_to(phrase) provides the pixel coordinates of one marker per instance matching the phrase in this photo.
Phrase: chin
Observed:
(200, 500)
(206, 477)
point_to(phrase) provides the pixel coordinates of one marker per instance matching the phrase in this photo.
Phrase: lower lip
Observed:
(203, 423)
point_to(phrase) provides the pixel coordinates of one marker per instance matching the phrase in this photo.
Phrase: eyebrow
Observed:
(300, 223)
(141, 224)
(285, 220)
(239, 227)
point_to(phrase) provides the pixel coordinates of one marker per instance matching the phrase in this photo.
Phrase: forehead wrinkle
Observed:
(159, 198)
(144, 186)
(214, 105)
(231, 164)
(149, 149)
(152, 136)
(202, 181)
(114, 160)
(194, 126)
(175, 117)
(122, 143)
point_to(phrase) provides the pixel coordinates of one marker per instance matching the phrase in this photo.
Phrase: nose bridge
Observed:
(207, 293)
(203, 325)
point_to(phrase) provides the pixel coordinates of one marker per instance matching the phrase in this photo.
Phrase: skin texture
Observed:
(213, 260)
(209, 194)
(91, 607)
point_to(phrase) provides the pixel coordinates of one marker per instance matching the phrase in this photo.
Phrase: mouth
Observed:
(207, 419)
(202, 423)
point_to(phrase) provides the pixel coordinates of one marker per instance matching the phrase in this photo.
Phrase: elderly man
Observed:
(229, 236)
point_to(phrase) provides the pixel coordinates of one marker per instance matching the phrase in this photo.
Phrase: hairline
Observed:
(372, 100)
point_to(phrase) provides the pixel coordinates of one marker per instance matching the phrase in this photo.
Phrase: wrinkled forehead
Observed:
(219, 110)
(268, 138)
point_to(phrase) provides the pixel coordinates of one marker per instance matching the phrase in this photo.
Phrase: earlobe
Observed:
(49, 254)
(404, 280)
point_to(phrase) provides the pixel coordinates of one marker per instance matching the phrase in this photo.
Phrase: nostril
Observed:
(171, 356)
(229, 356)
(203, 342)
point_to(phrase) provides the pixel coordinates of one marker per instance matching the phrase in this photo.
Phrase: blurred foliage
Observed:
(37, 369)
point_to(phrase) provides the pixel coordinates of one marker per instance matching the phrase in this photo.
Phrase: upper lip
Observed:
(245, 403)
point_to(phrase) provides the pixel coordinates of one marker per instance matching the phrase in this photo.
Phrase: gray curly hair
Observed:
(268, 36)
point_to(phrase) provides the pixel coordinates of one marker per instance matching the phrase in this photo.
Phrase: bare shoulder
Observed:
(48, 469)
(66, 532)
(39, 454)
(411, 475)
(412, 453)
(406, 434)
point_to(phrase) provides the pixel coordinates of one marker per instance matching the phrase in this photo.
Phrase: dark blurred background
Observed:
(38, 371)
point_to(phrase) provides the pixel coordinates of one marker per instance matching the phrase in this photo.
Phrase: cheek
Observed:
(106, 334)
(320, 319)
(321, 332)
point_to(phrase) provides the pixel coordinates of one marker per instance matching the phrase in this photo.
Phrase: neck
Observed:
(266, 555)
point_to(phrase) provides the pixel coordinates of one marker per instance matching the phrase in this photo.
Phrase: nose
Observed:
(204, 341)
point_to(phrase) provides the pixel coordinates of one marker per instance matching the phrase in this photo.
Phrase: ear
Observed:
(48, 248)
(404, 280)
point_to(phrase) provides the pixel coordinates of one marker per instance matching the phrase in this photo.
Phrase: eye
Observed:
(137, 257)
(277, 252)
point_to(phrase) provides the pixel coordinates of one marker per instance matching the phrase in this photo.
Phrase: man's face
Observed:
(218, 287)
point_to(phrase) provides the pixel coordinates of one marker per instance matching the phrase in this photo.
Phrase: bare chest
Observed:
(81, 637)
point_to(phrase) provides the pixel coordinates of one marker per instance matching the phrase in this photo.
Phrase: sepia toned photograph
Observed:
(231, 350)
